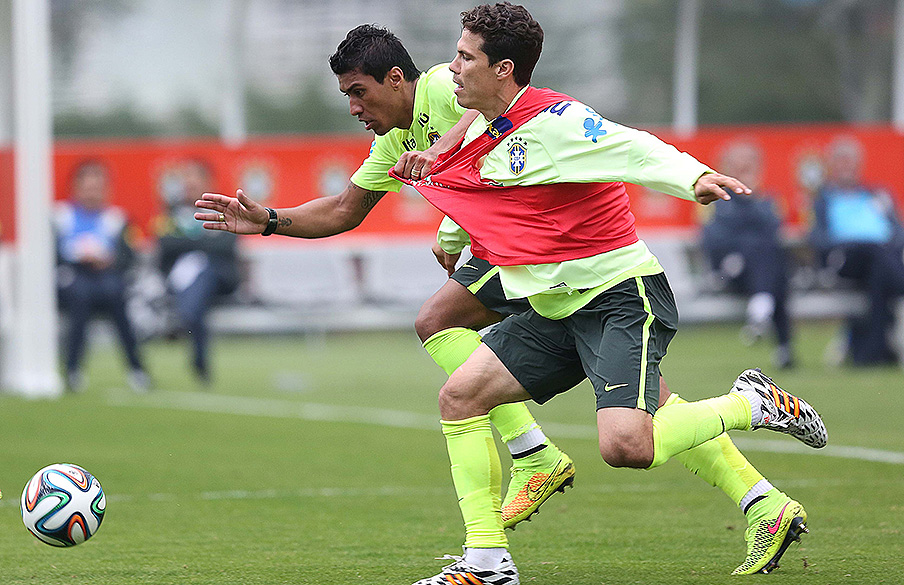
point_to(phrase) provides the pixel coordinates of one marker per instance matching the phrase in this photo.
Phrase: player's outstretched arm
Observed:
(319, 218)
(714, 186)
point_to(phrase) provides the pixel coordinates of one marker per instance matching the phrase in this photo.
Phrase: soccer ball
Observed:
(63, 505)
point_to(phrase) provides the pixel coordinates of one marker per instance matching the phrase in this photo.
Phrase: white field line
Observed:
(276, 408)
(400, 492)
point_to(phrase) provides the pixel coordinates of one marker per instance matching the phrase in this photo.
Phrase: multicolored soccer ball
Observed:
(63, 505)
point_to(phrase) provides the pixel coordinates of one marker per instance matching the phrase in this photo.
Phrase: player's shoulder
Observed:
(568, 110)
(438, 74)
(573, 118)
(391, 142)
(436, 83)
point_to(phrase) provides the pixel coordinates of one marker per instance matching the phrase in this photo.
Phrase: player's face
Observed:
(477, 80)
(375, 104)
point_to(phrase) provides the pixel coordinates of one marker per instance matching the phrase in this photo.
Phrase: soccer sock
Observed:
(719, 463)
(477, 475)
(450, 348)
(679, 427)
(764, 505)
(485, 558)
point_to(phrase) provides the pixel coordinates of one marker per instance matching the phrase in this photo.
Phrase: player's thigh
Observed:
(539, 352)
(453, 305)
(625, 436)
(479, 385)
(621, 336)
(482, 280)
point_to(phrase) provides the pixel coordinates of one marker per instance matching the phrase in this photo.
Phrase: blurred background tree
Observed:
(156, 67)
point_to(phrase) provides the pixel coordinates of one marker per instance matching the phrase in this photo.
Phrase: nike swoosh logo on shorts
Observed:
(609, 388)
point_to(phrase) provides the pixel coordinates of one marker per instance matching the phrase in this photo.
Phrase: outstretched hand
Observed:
(239, 214)
(714, 186)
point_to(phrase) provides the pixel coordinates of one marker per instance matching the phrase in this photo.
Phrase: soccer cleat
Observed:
(768, 539)
(781, 411)
(530, 487)
(462, 573)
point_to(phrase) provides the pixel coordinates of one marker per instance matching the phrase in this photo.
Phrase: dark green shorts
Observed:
(617, 341)
(482, 279)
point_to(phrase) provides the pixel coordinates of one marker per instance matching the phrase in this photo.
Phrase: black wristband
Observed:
(271, 223)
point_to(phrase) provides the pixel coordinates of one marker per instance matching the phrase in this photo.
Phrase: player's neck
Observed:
(409, 90)
(501, 101)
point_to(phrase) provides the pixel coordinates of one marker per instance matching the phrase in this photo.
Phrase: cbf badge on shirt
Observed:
(517, 151)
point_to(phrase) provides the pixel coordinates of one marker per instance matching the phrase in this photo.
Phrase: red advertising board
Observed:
(285, 172)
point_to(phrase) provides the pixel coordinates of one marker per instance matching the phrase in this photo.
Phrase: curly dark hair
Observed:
(372, 50)
(508, 32)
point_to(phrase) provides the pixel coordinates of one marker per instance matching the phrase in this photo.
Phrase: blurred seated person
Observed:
(93, 255)
(859, 235)
(199, 265)
(742, 241)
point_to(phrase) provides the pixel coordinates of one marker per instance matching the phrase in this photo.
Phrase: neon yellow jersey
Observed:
(571, 143)
(435, 112)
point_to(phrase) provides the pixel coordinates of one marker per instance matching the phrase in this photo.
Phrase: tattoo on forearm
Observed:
(284, 222)
(370, 199)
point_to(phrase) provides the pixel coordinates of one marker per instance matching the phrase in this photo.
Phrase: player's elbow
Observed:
(346, 218)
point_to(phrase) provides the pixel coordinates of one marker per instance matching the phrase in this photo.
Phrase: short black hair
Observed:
(372, 50)
(508, 32)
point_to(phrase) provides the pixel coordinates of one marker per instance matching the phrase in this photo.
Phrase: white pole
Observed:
(6, 134)
(33, 371)
(233, 124)
(6, 74)
(684, 100)
(897, 115)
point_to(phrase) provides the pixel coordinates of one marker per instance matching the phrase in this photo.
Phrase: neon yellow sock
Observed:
(766, 507)
(477, 475)
(450, 348)
(719, 463)
(679, 427)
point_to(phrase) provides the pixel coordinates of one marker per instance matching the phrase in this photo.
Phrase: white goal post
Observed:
(29, 324)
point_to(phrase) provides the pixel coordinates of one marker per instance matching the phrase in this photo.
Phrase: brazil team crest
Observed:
(517, 157)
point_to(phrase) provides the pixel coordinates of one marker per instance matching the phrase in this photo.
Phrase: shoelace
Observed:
(450, 558)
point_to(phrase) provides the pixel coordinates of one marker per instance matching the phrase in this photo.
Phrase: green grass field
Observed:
(320, 461)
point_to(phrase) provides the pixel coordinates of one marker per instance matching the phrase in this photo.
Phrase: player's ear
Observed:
(504, 68)
(395, 77)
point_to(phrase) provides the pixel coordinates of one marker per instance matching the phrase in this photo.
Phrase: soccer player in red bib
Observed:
(389, 98)
(537, 183)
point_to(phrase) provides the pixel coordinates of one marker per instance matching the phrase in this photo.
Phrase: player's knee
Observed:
(451, 402)
(625, 452)
(458, 401)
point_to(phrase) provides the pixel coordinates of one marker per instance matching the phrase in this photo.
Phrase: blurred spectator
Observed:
(742, 241)
(199, 265)
(859, 235)
(93, 255)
